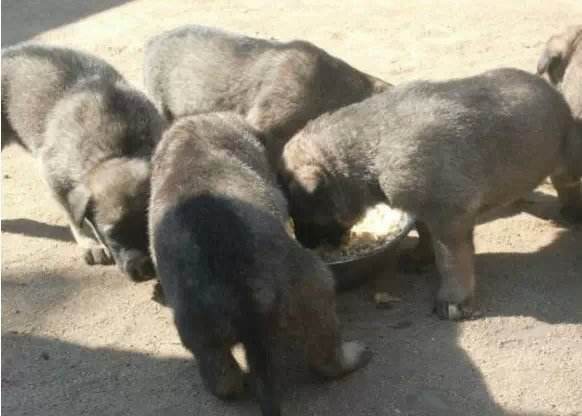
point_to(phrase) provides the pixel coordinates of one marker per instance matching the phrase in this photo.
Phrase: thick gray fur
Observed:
(276, 86)
(93, 135)
(227, 263)
(444, 151)
(561, 61)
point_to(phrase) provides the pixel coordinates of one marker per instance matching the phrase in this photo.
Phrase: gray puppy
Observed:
(93, 135)
(276, 86)
(562, 62)
(444, 151)
(227, 264)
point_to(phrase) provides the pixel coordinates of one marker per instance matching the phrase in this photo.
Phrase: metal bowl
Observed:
(352, 271)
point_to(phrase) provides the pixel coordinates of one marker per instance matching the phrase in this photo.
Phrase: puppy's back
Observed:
(36, 77)
(209, 61)
(225, 71)
(215, 159)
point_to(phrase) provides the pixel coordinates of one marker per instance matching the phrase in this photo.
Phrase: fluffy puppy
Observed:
(444, 151)
(276, 86)
(227, 264)
(93, 135)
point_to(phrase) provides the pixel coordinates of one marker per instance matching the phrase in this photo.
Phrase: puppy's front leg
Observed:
(454, 252)
(93, 251)
(420, 257)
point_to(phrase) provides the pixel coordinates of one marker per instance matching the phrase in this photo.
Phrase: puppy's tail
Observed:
(258, 348)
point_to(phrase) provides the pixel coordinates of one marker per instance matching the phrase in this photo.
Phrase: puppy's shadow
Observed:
(537, 203)
(545, 284)
(37, 229)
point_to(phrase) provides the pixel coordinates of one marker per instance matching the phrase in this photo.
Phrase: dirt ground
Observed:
(80, 340)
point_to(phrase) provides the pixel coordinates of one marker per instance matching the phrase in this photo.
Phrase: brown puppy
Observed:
(276, 86)
(443, 151)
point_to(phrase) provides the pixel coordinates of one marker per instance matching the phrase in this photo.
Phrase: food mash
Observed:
(376, 227)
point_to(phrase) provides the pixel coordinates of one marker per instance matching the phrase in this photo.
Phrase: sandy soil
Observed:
(79, 340)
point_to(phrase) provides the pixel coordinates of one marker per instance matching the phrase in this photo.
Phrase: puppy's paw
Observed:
(96, 254)
(456, 311)
(355, 355)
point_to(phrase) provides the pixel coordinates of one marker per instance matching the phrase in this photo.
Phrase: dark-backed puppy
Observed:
(228, 266)
(444, 151)
(562, 62)
(276, 86)
(93, 135)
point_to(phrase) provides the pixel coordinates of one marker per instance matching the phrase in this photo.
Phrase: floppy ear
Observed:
(558, 52)
(546, 60)
(310, 178)
(78, 200)
(552, 63)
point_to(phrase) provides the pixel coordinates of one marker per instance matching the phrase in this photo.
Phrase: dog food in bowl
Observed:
(379, 225)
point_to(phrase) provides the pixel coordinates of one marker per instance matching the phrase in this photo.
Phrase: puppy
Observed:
(443, 151)
(228, 266)
(561, 61)
(276, 86)
(93, 135)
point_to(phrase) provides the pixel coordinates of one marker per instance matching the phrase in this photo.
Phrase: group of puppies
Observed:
(198, 185)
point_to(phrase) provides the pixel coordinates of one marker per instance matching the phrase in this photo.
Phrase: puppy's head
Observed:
(321, 209)
(114, 201)
(558, 52)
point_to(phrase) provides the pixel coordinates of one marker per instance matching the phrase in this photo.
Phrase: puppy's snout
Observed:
(138, 266)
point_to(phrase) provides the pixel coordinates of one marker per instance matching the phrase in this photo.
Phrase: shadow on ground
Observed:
(106, 381)
(37, 229)
(23, 19)
(546, 284)
(418, 367)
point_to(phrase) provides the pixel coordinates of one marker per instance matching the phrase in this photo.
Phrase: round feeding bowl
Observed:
(354, 270)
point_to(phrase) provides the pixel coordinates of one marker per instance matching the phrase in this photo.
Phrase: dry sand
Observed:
(79, 340)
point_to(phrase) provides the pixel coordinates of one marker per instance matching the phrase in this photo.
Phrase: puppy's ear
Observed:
(78, 200)
(552, 63)
(310, 178)
(558, 52)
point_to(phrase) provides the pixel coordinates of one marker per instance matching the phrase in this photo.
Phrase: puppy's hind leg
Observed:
(259, 346)
(219, 371)
(326, 353)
